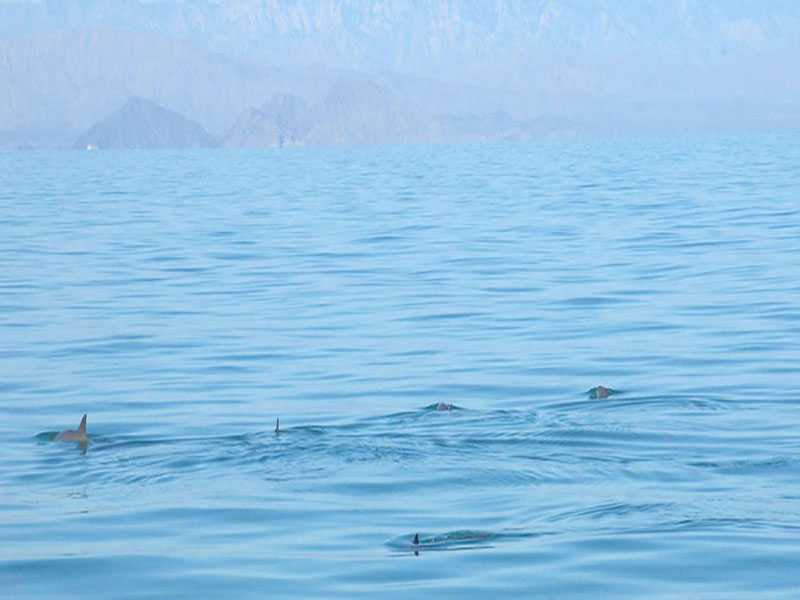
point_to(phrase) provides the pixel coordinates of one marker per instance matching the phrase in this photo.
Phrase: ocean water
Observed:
(185, 300)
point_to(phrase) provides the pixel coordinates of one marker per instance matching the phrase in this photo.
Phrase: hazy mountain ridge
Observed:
(352, 112)
(361, 112)
(426, 36)
(64, 81)
(282, 121)
(141, 123)
(58, 84)
(610, 67)
(358, 111)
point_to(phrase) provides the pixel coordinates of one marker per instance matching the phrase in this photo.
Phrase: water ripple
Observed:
(185, 300)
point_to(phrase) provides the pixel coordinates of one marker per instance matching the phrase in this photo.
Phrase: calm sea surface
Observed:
(186, 300)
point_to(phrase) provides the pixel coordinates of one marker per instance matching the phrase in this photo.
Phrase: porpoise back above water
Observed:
(74, 435)
(600, 392)
(452, 540)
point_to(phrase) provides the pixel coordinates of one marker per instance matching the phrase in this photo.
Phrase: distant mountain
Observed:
(253, 129)
(354, 111)
(282, 121)
(357, 111)
(290, 114)
(141, 123)
(55, 85)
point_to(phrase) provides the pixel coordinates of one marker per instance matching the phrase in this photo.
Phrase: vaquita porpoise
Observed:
(600, 392)
(74, 435)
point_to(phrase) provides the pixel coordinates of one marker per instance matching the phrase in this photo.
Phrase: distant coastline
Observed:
(351, 113)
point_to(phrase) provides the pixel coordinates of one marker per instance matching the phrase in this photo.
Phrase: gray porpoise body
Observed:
(74, 435)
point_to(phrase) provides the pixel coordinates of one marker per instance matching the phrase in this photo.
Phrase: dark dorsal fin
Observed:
(82, 426)
(416, 539)
(278, 425)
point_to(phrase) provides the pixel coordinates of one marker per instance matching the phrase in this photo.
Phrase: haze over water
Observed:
(186, 299)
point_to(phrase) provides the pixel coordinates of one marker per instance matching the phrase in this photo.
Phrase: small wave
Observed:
(462, 539)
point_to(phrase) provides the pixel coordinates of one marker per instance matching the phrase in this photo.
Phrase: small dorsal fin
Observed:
(416, 539)
(278, 425)
(82, 426)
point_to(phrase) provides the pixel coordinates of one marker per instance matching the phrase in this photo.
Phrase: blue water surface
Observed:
(185, 300)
